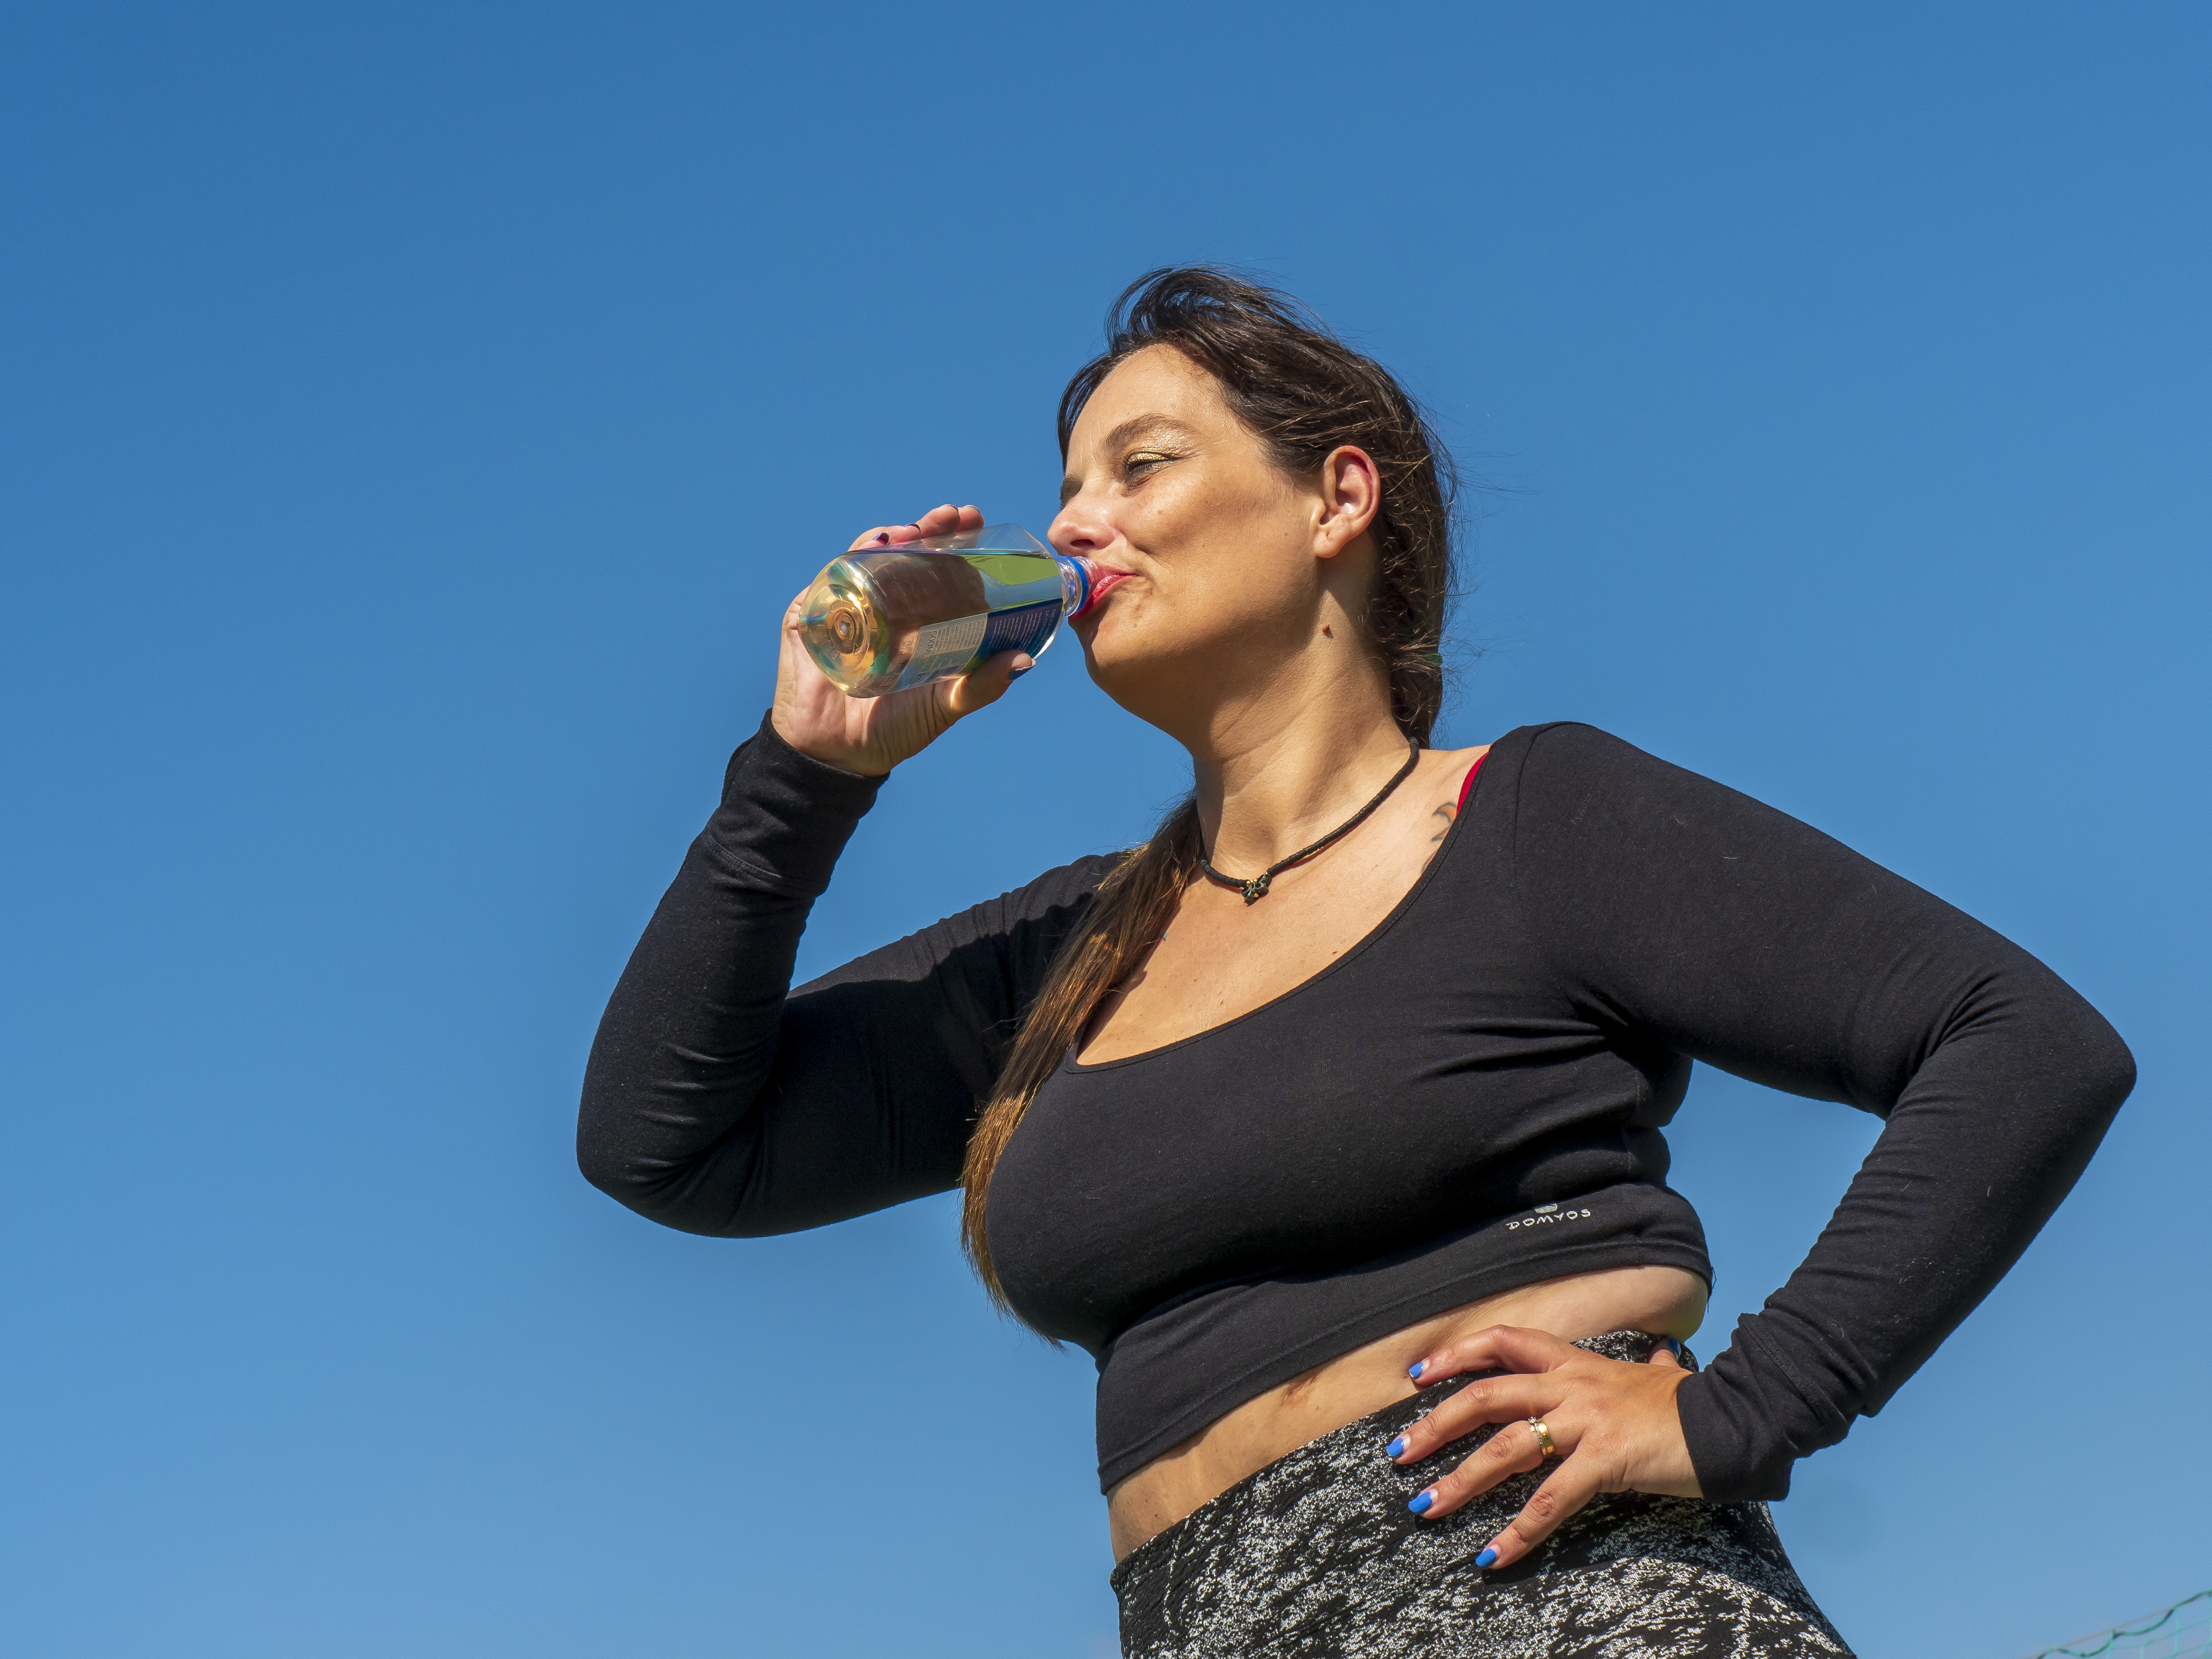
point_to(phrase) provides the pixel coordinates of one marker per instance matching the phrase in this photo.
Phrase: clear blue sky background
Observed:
(416, 417)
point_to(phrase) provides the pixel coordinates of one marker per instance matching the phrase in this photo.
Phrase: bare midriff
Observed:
(1663, 1301)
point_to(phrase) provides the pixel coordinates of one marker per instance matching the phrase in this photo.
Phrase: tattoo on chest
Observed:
(1443, 817)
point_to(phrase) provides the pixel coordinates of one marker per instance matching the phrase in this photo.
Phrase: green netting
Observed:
(2183, 1631)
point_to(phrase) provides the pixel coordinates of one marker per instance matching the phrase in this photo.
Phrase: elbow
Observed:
(2102, 1059)
(599, 1163)
(609, 1157)
(601, 1151)
(642, 1188)
(702, 1192)
(2098, 1070)
(2112, 1066)
(600, 1158)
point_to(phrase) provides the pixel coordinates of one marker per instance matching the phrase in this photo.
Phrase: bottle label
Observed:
(1025, 628)
(946, 648)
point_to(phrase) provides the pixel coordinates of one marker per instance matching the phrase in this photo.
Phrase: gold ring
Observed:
(1544, 1438)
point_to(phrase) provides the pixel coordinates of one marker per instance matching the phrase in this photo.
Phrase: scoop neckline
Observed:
(1074, 1067)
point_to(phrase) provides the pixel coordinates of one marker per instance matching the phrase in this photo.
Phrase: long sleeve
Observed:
(1730, 932)
(717, 1100)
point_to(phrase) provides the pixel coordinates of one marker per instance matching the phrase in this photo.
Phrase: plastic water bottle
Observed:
(888, 619)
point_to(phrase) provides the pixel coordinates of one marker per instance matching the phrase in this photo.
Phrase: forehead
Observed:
(1159, 380)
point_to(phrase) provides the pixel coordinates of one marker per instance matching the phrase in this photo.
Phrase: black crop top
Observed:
(1469, 1100)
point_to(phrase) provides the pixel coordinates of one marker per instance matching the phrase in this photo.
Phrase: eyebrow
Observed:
(1135, 427)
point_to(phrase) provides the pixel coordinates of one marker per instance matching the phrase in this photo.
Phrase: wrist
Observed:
(785, 816)
(838, 759)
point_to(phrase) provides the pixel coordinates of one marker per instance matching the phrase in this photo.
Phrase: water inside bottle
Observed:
(886, 619)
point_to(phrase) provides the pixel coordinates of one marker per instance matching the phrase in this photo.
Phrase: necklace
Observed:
(1256, 889)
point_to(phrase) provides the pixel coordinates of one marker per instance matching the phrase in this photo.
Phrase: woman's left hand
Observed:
(1613, 1424)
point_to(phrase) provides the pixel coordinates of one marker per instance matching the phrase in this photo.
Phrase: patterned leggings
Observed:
(1317, 1557)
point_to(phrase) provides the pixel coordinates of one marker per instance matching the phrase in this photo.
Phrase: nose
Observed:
(1080, 528)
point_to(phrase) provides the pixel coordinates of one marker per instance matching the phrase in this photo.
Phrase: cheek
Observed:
(1210, 529)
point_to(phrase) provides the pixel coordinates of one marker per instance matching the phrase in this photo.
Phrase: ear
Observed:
(1350, 496)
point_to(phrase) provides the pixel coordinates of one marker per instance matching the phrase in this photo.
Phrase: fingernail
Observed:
(1420, 1505)
(1395, 1447)
(1415, 1369)
(1487, 1559)
(1018, 673)
(1671, 1346)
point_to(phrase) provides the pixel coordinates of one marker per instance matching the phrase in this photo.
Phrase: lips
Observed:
(1103, 582)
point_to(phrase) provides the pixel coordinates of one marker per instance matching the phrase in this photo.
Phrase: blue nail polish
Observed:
(1395, 1447)
(1671, 1346)
(1016, 675)
(1415, 1369)
(1487, 1559)
(1420, 1505)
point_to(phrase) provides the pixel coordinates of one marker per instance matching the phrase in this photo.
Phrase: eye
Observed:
(1141, 462)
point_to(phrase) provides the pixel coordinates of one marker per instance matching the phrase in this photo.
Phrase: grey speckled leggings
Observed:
(1317, 1557)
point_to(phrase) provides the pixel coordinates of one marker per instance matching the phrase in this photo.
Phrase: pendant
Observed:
(1256, 889)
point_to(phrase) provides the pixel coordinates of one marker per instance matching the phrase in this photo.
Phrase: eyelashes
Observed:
(1140, 464)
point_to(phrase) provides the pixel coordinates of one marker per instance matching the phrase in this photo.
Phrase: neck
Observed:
(1286, 766)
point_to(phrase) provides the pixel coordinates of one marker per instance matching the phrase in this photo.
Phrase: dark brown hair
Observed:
(1303, 393)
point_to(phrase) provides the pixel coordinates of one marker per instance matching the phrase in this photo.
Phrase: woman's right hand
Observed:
(871, 735)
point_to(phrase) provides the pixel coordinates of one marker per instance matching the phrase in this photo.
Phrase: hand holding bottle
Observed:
(871, 735)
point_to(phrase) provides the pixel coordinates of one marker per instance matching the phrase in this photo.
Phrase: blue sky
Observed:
(416, 418)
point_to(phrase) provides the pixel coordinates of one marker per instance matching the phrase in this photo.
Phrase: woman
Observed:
(1329, 1121)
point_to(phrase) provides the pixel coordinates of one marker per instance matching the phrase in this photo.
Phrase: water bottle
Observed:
(889, 618)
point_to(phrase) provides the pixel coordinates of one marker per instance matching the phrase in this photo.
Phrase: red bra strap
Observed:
(1467, 788)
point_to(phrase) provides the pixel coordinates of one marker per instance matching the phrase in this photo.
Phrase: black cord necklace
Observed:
(1256, 889)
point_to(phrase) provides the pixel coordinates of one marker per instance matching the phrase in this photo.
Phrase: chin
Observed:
(1159, 687)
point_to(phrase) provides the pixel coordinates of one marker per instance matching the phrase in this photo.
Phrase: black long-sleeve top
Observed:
(1469, 1100)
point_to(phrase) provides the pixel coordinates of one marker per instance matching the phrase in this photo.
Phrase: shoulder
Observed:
(1075, 883)
(1019, 930)
(1026, 925)
(1053, 901)
(1567, 743)
(1565, 777)
(1568, 754)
